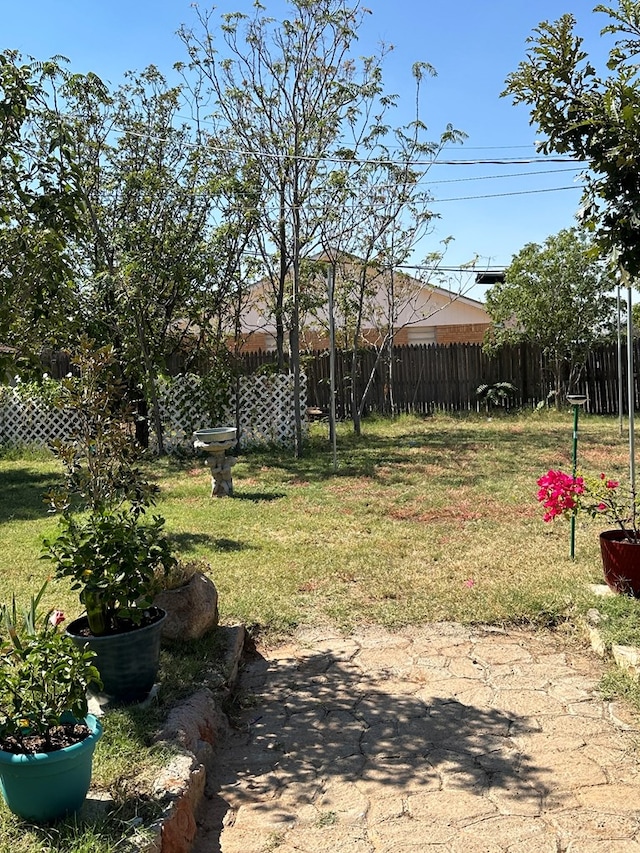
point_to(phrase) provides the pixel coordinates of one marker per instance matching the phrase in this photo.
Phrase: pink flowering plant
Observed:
(562, 494)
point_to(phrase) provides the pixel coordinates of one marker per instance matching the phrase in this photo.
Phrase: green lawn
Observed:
(425, 519)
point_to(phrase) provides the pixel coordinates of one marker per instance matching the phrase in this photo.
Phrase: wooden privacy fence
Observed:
(443, 377)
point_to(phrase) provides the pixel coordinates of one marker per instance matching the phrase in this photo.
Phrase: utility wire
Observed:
(355, 204)
(500, 177)
(502, 195)
(357, 161)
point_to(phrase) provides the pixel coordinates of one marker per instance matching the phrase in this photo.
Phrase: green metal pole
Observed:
(575, 469)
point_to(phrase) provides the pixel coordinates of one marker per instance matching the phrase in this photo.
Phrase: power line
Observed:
(500, 177)
(356, 204)
(502, 195)
(357, 161)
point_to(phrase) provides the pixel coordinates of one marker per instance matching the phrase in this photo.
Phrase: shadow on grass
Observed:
(386, 443)
(188, 542)
(257, 497)
(22, 494)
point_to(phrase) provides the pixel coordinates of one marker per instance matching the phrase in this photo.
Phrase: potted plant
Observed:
(562, 494)
(47, 737)
(106, 546)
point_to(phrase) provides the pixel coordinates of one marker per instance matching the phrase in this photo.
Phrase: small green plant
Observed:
(327, 819)
(112, 560)
(496, 394)
(180, 573)
(43, 676)
(105, 546)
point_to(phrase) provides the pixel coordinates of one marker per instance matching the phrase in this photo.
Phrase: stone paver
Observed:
(442, 738)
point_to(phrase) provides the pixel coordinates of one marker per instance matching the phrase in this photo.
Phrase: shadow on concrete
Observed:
(311, 723)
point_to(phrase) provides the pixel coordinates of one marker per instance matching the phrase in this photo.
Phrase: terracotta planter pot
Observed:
(621, 562)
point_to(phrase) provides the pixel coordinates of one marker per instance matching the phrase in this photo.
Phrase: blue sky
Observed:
(473, 45)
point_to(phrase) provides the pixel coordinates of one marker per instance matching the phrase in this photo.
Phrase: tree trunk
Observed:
(294, 335)
(150, 383)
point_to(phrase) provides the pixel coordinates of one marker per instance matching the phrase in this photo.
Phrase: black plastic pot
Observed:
(128, 662)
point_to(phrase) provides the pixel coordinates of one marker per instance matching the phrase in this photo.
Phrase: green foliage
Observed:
(40, 204)
(217, 385)
(156, 267)
(113, 559)
(495, 394)
(100, 459)
(557, 296)
(48, 391)
(44, 676)
(593, 116)
(111, 555)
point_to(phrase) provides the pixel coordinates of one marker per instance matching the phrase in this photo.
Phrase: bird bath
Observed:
(214, 441)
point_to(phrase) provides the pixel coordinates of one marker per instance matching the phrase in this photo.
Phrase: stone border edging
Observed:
(626, 658)
(194, 727)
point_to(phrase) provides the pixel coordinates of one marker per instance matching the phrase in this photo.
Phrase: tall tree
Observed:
(376, 210)
(40, 204)
(594, 116)
(155, 227)
(289, 91)
(557, 296)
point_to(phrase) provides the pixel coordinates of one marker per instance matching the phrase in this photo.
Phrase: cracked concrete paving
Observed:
(442, 738)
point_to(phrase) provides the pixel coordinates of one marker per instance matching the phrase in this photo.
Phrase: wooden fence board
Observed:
(431, 377)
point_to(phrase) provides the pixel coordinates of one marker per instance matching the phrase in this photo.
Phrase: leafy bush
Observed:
(44, 676)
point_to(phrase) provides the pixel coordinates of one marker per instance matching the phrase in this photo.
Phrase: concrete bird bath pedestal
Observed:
(214, 442)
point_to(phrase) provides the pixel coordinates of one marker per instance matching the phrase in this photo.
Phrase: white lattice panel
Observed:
(266, 413)
(182, 409)
(31, 421)
(266, 410)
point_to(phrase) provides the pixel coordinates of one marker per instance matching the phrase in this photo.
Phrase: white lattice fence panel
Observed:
(31, 421)
(266, 413)
(267, 410)
(183, 410)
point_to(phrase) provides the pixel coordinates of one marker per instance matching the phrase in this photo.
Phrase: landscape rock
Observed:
(627, 658)
(192, 609)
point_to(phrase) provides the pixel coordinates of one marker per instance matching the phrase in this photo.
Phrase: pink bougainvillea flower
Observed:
(558, 492)
(56, 617)
(612, 484)
(469, 583)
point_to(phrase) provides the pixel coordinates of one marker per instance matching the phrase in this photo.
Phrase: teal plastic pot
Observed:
(128, 662)
(49, 785)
